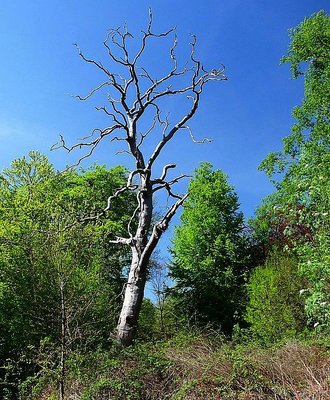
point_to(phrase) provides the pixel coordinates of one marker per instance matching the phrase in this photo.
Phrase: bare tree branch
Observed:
(90, 94)
(91, 144)
(120, 240)
(201, 141)
(137, 94)
(165, 169)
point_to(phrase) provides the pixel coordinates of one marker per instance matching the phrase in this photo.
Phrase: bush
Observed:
(275, 308)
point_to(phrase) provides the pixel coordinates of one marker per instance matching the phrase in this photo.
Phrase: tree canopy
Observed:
(301, 170)
(208, 250)
(54, 269)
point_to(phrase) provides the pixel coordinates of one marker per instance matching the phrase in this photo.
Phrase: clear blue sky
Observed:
(246, 116)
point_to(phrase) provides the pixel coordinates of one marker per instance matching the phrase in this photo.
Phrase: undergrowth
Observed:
(193, 366)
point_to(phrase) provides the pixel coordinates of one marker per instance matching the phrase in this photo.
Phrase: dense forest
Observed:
(242, 308)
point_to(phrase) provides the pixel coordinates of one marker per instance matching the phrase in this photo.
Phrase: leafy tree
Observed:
(301, 170)
(58, 278)
(209, 257)
(275, 308)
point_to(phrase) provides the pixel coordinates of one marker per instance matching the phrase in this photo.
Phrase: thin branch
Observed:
(201, 141)
(167, 185)
(146, 133)
(112, 34)
(132, 219)
(110, 114)
(120, 240)
(145, 74)
(148, 34)
(90, 94)
(172, 132)
(113, 103)
(101, 68)
(163, 223)
(91, 144)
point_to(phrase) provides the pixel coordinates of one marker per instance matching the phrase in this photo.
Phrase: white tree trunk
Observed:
(133, 297)
(126, 117)
(134, 290)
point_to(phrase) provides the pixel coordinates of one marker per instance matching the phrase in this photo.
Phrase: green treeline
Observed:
(242, 309)
(60, 281)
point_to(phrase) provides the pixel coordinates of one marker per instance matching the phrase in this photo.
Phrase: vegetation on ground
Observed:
(247, 313)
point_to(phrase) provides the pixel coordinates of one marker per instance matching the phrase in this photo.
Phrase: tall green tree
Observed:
(209, 251)
(301, 170)
(59, 279)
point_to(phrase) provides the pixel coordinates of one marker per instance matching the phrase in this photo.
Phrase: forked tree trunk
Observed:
(143, 244)
(125, 117)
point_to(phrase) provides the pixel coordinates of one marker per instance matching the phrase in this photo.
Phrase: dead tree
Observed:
(135, 93)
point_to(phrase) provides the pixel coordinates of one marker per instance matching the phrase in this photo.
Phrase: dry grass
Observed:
(294, 371)
(204, 368)
(304, 370)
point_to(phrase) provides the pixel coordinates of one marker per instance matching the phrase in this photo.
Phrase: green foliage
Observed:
(147, 321)
(209, 251)
(55, 270)
(303, 186)
(315, 266)
(309, 44)
(60, 282)
(309, 55)
(134, 373)
(194, 365)
(275, 308)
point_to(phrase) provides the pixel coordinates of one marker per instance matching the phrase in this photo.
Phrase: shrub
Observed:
(275, 308)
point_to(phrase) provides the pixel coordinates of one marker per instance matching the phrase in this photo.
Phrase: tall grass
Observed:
(199, 366)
